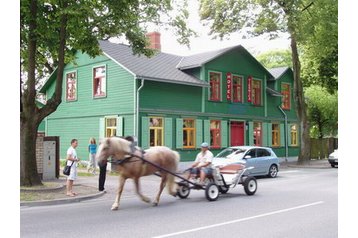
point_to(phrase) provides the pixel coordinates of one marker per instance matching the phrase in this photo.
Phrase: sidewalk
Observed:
(87, 186)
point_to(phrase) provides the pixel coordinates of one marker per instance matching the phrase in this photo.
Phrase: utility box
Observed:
(51, 160)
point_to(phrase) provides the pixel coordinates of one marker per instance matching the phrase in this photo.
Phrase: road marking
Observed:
(240, 220)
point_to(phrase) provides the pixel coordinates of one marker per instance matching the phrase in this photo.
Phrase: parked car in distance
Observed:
(333, 158)
(263, 159)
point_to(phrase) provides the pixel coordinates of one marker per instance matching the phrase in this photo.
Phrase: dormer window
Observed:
(286, 92)
(215, 81)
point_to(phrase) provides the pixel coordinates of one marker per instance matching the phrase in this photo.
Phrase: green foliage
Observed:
(322, 111)
(320, 48)
(88, 21)
(275, 58)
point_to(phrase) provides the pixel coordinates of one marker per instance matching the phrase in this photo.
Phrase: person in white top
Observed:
(203, 163)
(72, 161)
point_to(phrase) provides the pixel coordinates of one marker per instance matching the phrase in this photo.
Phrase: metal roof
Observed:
(279, 71)
(198, 60)
(161, 67)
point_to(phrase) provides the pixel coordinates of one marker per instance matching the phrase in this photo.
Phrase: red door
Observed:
(237, 133)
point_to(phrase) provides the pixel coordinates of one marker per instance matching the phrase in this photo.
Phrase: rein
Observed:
(126, 159)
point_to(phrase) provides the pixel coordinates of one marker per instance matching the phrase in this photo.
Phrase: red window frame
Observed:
(98, 81)
(286, 92)
(215, 81)
(256, 92)
(215, 134)
(71, 86)
(237, 88)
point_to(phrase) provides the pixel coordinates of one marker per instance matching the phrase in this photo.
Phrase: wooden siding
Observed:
(81, 119)
(169, 96)
(120, 90)
(237, 62)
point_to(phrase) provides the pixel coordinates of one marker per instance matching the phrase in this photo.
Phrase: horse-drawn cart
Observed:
(221, 181)
(133, 163)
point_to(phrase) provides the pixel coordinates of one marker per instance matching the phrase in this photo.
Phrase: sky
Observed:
(205, 43)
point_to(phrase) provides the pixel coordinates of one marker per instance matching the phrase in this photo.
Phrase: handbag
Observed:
(67, 169)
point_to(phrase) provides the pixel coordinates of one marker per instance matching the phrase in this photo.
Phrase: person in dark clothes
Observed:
(102, 176)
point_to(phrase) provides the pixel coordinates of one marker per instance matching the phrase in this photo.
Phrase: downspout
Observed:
(286, 133)
(137, 110)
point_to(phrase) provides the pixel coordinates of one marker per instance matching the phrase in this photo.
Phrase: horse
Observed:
(129, 166)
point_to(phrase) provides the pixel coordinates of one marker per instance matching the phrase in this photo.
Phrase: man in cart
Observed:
(203, 164)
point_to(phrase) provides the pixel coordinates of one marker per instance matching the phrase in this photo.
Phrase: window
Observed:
(188, 133)
(237, 88)
(71, 86)
(251, 153)
(275, 134)
(263, 153)
(215, 86)
(286, 92)
(256, 92)
(156, 131)
(257, 134)
(294, 135)
(99, 81)
(215, 135)
(111, 126)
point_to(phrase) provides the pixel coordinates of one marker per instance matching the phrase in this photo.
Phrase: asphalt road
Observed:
(298, 203)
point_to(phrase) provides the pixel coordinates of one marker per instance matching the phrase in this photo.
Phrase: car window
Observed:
(252, 153)
(262, 153)
(229, 152)
(236, 154)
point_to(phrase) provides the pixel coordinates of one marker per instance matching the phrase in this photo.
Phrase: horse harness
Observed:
(129, 156)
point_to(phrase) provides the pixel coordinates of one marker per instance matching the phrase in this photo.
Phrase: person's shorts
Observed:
(207, 171)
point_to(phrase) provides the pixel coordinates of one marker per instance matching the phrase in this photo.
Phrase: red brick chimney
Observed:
(154, 39)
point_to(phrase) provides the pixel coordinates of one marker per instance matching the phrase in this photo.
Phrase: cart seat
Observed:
(231, 168)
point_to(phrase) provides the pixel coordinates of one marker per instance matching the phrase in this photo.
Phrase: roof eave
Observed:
(203, 85)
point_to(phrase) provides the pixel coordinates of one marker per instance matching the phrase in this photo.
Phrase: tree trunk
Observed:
(305, 150)
(28, 119)
(28, 166)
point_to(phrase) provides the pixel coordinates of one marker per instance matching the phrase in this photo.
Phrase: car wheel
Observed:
(273, 171)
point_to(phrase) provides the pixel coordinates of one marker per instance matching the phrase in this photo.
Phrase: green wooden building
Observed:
(224, 97)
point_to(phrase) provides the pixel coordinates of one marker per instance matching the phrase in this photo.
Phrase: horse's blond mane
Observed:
(120, 144)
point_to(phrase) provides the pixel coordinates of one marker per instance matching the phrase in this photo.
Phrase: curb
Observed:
(62, 200)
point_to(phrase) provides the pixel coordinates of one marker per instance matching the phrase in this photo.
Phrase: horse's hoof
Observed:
(155, 204)
(114, 208)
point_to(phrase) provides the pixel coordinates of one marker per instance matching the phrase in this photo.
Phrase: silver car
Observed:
(263, 159)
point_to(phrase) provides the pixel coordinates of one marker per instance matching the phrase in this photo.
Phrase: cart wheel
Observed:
(183, 191)
(223, 189)
(212, 192)
(250, 185)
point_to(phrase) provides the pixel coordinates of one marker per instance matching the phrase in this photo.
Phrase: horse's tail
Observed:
(172, 186)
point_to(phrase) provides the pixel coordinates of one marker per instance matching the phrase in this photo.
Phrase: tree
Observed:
(257, 17)
(320, 48)
(322, 111)
(53, 30)
(275, 58)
